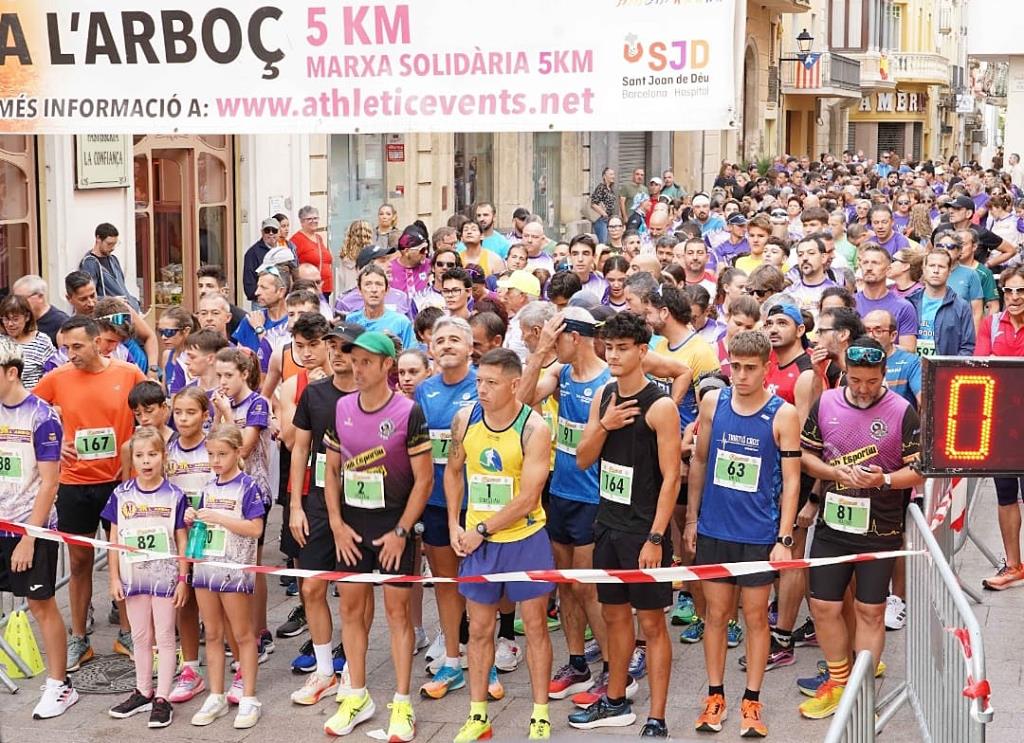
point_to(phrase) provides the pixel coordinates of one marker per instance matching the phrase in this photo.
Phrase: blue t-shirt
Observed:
(391, 321)
(440, 403)
(497, 243)
(926, 327)
(966, 283)
(568, 480)
(903, 374)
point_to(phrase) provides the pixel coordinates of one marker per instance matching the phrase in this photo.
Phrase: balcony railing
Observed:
(927, 68)
(787, 6)
(831, 74)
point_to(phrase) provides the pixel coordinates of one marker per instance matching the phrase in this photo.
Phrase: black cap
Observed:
(371, 253)
(736, 220)
(963, 202)
(346, 332)
(521, 213)
(413, 236)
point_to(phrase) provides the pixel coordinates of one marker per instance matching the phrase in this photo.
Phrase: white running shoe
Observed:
(436, 649)
(316, 688)
(56, 699)
(419, 640)
(506, 655)
(895, 613)
(248, 714)
(215, 707)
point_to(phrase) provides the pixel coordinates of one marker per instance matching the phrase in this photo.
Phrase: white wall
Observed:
(993, 29)
(271, 167)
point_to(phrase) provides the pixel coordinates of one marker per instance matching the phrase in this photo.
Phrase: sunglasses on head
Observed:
(169, 332)
(117, 318)
(864, 355)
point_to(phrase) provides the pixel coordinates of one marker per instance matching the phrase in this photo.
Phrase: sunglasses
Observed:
(758, 292)
(947, 246)
(1013, 291)
(117, 318)
(902, 203)
(169, 332)
(269, 230)
(864, 355)
(445, 264)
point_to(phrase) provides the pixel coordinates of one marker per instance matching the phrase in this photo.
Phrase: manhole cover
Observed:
(106, 674)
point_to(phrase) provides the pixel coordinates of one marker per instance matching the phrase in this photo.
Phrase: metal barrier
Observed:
(965, 535)
(854, 721)
(937, 671)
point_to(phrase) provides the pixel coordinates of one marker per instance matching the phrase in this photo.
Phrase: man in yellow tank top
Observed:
(503, 448)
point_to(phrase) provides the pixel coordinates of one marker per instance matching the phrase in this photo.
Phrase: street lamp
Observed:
(804, 41)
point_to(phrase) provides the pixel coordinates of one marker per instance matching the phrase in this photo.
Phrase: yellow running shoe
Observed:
(476, 728)
(824, 703)
(540, 729)
(352, 711)
(402, 727)
(880, 669)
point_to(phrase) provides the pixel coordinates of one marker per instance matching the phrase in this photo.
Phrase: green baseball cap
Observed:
(373, 342)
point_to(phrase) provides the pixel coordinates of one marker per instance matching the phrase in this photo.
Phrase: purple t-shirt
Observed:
(241, 497)
(903, 312)
(30, 432)
(896, 241)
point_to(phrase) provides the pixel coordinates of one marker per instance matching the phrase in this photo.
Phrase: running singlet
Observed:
(30, 432)
(254, 411)
(175, 374)
(886, 434)
(574, 399)
(549, 410)
(188, 469)
(697, 354)
(781, 380)
(494, 463)
(440, 403)
(376, 450)
(315, 413)
(243, 498)
(743, 481)
(96, 417)
(147, 519)
(629, 472)
(289, 366)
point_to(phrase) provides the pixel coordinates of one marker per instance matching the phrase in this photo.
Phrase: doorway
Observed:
(752, 144)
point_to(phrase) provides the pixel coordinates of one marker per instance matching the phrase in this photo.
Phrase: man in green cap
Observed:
(379, 469)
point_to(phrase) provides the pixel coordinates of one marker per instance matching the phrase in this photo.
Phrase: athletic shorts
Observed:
(319, 552)
(39, 582)
(435, 526)
(570, 521)
(369, 561)
(531, 553)
(79, 507)
(711, 551)
(1009, 490)
(620, 550)
(684, 493)
(545, 494)
(289, 547)
(829, 582)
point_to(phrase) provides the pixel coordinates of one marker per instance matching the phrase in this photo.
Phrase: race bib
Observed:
(736, 471)
(569, 434)
(216, 541)
(155, 538)
(440, 442)
(364, 489)
(616, 482)
(489, 492)
(926, 346)
(320, 470)
(843, 513)
(10, 467)
(96, 443)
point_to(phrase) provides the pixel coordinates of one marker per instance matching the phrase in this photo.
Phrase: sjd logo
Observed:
(675, 55)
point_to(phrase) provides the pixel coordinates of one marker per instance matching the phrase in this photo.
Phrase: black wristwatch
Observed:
(785, 541)
(655, 538)
(481, 529)
(402, 532)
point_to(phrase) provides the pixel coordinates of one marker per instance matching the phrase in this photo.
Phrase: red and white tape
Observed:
(648, 575)
(973, 689)
(952, 503)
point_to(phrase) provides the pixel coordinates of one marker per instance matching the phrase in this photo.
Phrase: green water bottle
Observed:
(196, 541)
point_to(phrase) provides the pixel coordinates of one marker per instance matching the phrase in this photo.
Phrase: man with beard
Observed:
(694, 260)
(876, 295)
(493, 240)
(882, 225)
(806, 293)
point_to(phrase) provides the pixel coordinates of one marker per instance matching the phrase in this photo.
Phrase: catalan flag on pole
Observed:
(808, 71)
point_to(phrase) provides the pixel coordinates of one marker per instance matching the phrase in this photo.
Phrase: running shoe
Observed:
(79, 652)
(1006, 577)
(420, 640)
(539, 729)
(248, 714)
(161, 715)
(90, 621)
(445, 680)
(603, 715)
(344, 684)
(352, 711)
(778, 656)
(809, 686)
(694, 632)
(588, 634)
(751, 724)
(316, 688)
(292, 589)
(805, 636)
(638, 663)
(436, 648)
(294, 625)
(123, 644)
(215, 707)
(55, 701)
(133, 705)
(266, 645)
(773, 613)
(402, 724)
(495, 689)
(338, 658)
(237, 690)
(600, 688)
(305, 661)
(895, 613)
(714, 714)
(824, 703)
(187, 685)
(684, 612)
(568, 681)
(114, 615)
(506, 655)
(554, 624)
(592, 651)
(435, 665)
(654, 729)
(475, 728)
(734, 634)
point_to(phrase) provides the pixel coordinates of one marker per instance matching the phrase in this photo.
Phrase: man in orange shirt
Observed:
(91, 393)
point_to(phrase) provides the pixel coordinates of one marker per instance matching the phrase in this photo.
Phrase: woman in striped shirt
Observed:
(20, 325)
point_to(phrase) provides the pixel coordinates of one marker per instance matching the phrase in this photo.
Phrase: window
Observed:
(547, 176)
(845, 25)
(17, 208)
(356, 182)
(474, 171)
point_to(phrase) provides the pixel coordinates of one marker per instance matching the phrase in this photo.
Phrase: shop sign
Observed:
(103, 161)
(898, 101)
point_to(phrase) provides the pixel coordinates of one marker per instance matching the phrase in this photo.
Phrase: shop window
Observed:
(474, 171)
(13, 192)
(356, 182)
(547, 177)
(212, 234)
(15, 253)
(213, 179)
(17, 209)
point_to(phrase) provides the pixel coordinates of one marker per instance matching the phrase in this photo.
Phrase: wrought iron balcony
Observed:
(829, 75)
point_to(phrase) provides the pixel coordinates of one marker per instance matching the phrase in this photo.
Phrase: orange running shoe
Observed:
(714, 714)
(752, 726)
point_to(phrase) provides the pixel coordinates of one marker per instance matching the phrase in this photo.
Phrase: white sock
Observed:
(53, 683)
(358, 693)
(324, 659)
(451, 662)
(401, 697)
(193, 664)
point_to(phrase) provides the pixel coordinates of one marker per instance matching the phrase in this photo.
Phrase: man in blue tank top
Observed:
(744, 484)
(572, 508)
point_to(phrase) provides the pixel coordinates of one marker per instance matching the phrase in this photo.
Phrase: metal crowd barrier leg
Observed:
(937, 671)
(967, 534)
(854, 721)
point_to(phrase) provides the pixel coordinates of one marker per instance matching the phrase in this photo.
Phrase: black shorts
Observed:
(620, 550)
(711, 551)
(829, 582)
(319, 552)
(79, 507)
(1008, 490)
(806, 487)
(289, 547)
(369, 561)
(570, 521)
(683, 497)
(39, 582)
(545, 494)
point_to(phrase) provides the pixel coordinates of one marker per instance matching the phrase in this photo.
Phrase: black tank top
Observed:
(632, 451)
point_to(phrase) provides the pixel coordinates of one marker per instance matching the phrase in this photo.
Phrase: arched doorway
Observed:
(751, 144)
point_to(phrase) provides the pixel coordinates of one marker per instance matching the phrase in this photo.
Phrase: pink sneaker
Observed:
(236, 691)
(187, 685)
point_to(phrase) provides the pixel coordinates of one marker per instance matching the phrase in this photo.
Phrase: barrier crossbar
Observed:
(854, 721)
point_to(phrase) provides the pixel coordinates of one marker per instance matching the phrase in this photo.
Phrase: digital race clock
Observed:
(972, 416)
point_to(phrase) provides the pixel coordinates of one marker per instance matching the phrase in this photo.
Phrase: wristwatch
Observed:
(786, 540)
(655, 538)
(402, 532)
(886, 481)
(481, 529)
(260, 330)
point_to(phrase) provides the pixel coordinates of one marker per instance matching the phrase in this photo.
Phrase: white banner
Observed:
(422, 65)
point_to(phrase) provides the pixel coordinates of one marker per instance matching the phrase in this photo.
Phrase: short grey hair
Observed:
(455, 322)
(216, 297)
(535, 314)
(307, 211)
(10, 351)
(30, 283)
(641, 283)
